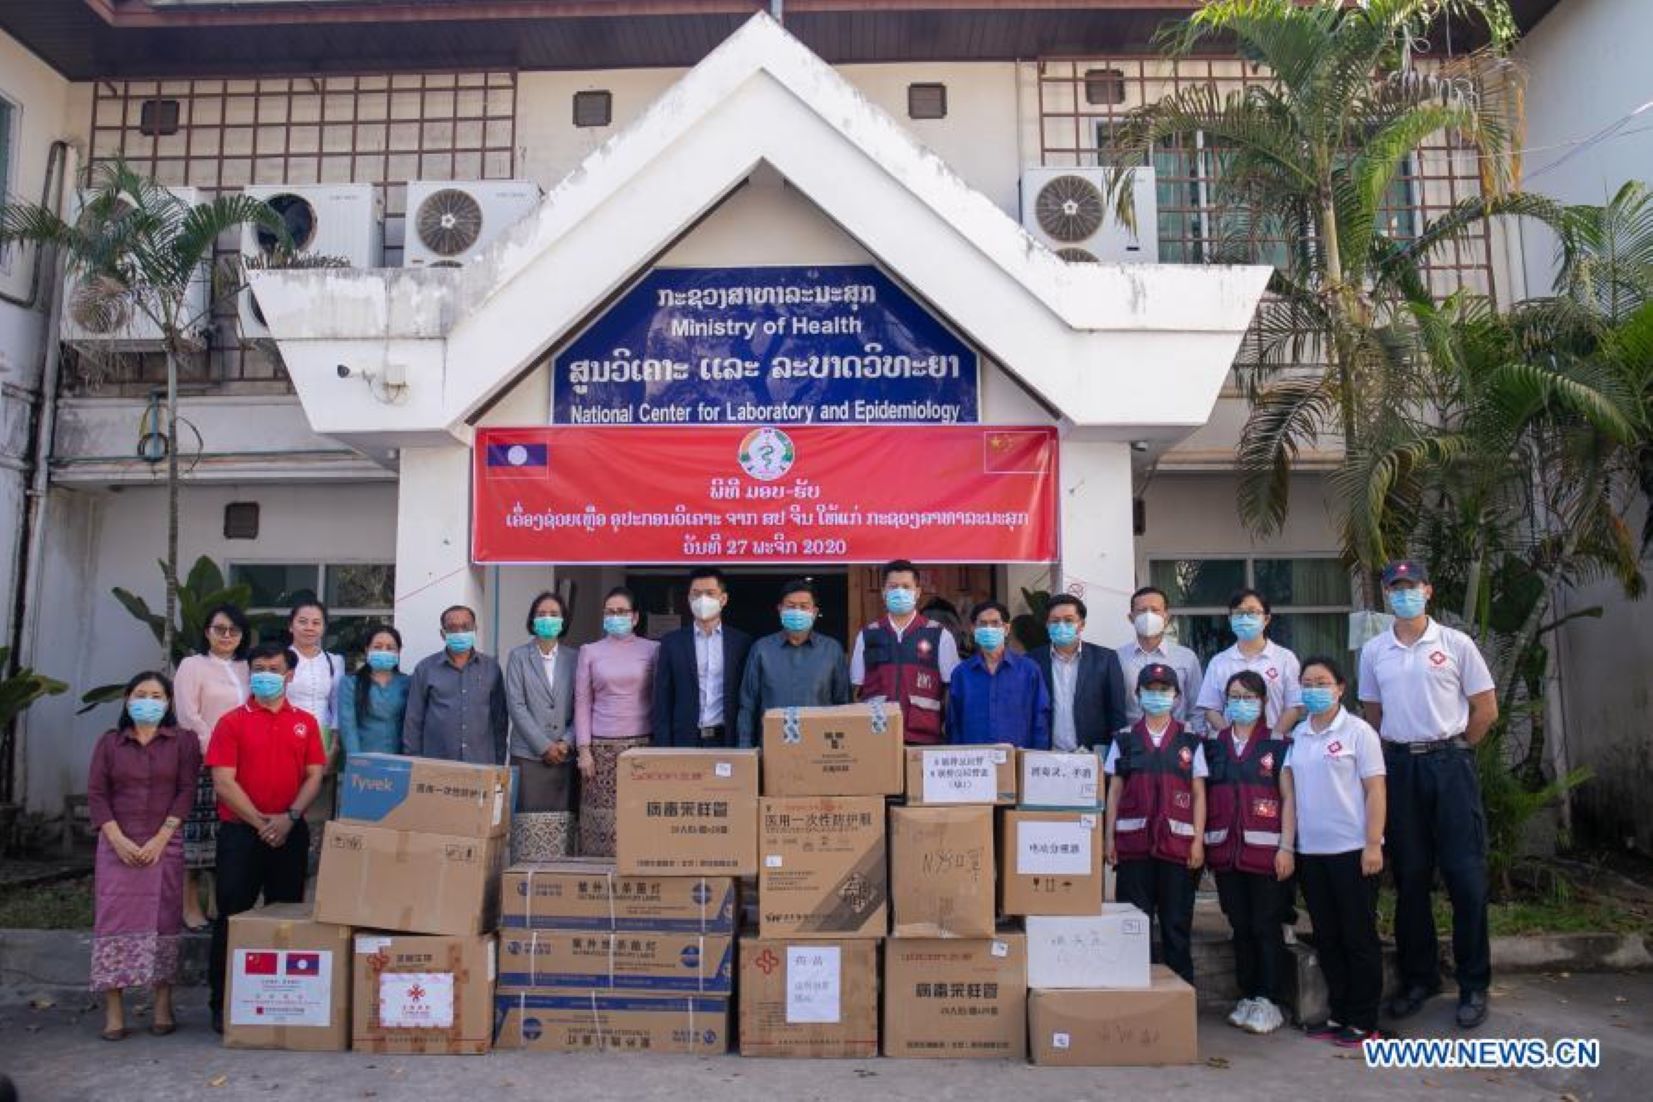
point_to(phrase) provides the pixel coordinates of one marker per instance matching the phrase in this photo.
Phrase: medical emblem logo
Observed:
(766, 454)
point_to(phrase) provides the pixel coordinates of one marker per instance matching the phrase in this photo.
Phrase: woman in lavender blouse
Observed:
(613, 695)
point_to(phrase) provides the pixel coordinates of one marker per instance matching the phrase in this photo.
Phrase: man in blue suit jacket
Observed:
(1085, 681)
(697, 680)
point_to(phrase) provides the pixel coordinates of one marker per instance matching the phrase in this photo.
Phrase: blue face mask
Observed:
(900, 600)
(267, 685)
(617, 627)
(1243, 711)
(146, 712)
(460, 641)
(547, 627)
(1408, 604)
(1157, 702)
(1246, 626)
(797, 619)
(1063, 633)
(1319, 698)
(383, 660)
(989, 638)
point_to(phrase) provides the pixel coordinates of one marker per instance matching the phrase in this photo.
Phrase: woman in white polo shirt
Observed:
(1331, 832)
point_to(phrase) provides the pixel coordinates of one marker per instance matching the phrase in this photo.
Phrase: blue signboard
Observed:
(827, 345)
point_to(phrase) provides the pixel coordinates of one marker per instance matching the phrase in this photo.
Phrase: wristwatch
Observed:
(294, 814)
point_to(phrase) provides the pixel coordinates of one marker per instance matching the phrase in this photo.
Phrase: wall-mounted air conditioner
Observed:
(345, 221)
(1068, 209)
(451, 221)
(93, 321)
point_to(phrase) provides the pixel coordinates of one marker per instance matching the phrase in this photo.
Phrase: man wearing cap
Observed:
(1427, 690)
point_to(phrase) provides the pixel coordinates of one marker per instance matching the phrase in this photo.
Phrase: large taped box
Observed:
(961, 774)
(288, 981)
(843, 750)
(824, 870)
(422, 994)
(1147, 1027)
(608, 1021)
(687, 812)
(808, 998)
(1106, 950)
(409, 882)
(587, 894)
(632, 961)
(1050, 863)
(426, 794)
(1061, 780)
(941, 871)
(956, 999)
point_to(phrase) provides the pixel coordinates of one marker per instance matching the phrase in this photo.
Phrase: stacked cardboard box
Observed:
(687, 812)
(1115, 1028)
(289, 981)
(594, 960)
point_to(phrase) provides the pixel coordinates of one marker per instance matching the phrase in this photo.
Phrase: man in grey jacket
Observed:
(539, 695)
(456, 699)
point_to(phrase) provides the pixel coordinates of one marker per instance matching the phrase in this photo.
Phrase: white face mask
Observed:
(705, 608)
(1148, 624)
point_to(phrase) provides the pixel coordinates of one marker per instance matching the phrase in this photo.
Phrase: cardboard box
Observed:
(847, 750)
(422, 994)
(587, 894)
(426, 794)
(635, 961)
(1050, 863)
(1092, 1029)
(956, 999)
(1076, 951)
(591, 1021)
(961, 775)
(687, 812)
(288, 981)
(1058, 780)
(941, 871)
(809, 998)
(415, 883)
(824, 871)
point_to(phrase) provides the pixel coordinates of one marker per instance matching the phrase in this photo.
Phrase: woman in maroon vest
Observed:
(1155, 820)
(1242, 836)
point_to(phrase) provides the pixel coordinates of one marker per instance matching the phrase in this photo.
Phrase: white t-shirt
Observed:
(311, 689)
(1328, 771)
(1277, 666)
(1109, 764)
(947, 654)
(1424, 688)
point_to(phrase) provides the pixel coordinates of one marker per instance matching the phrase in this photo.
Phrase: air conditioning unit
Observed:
(345, 221)
(1068, 209)
(129, 329)
(449, 222)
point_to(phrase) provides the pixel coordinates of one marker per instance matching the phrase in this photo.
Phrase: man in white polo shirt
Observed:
(1428, 691)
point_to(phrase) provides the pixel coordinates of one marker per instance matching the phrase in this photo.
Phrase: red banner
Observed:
(805, 494)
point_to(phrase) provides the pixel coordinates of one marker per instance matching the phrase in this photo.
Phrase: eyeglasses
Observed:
(225, 630)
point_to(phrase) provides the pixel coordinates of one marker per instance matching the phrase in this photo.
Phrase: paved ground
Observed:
(55, 1053)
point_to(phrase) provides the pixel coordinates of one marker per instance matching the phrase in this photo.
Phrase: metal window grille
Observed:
(593, 108)
(927, 101)
(383, 129)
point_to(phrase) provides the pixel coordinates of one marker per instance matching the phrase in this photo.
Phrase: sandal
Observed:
(115, 1034)
(163, 1029)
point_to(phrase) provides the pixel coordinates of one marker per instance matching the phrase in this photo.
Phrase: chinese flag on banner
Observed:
(1013, 452)
(259, 964)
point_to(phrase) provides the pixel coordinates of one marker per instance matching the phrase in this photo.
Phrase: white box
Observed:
(1060, 780)
(1089, 951)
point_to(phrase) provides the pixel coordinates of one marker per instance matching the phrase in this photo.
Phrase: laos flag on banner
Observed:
(509, 458)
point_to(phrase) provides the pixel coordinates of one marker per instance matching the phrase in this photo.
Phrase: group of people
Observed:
(1254, 769)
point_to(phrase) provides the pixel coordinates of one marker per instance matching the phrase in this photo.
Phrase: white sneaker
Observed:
(1241, 1013)
(1265, 1017)
(1288, 933)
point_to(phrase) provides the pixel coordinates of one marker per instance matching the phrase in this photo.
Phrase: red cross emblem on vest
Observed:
(1185, 757)
(1273, 673)
(923, 646)
(1437, 658)
(1266, 764)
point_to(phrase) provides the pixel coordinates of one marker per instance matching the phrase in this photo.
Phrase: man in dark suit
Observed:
(697, 680)
(1086, 683)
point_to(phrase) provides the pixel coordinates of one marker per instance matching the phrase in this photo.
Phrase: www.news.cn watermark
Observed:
(1483, 1053)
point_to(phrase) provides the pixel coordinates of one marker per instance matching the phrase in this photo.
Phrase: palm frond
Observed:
(1285, 415)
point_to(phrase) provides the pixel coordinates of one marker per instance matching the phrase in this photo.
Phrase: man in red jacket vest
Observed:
(904, 657)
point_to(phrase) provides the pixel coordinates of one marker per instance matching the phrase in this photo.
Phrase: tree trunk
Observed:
(170, 631)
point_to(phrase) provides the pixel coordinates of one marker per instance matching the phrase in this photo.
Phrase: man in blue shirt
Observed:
(997, 696)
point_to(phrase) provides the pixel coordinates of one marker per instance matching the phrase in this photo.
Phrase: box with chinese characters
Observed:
(636, 960)
(687, 812)
(1051, 863)
(956, 998)
(1059, 780)
(824, 872)
(809, 998)
(961, 775)
(844, 750)
(611, 1021)
(426, 794)
(1105, 950)
(419, 994)
(288, 981)
(588, 894)
(942, 871)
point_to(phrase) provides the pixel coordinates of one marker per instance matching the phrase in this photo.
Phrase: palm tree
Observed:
(134, 252)
(1308, 160)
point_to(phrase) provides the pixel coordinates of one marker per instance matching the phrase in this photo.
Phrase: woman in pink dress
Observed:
(613, 712)
(208, 684)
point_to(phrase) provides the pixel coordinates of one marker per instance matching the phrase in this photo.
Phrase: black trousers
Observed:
(1343, 907)
(247, 868)
(1252, 904)
(1165, 892)
(1436, 822)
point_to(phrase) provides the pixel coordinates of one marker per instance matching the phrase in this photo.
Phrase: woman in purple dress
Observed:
(140, 790)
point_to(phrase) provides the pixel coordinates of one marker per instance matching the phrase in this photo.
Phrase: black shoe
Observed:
(1408, 1004)
(1472, 1009)
(218, 1021)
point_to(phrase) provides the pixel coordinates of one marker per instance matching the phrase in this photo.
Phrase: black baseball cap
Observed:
(1405, 570)
(1158, 673)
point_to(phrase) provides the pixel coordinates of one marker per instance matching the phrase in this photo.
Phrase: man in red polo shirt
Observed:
(267, 762)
